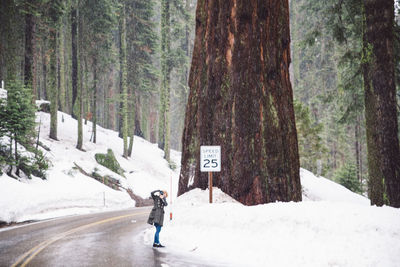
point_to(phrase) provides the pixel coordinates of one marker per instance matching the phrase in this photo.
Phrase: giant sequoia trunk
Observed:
(380, 103)
(241, 98)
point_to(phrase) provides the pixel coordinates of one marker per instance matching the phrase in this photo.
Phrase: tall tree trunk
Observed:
(94, 133)
(30, 47)
(74, 46)
(164, 116)
(76, 29)
(380, 103)
(241, 98)
(88, 115)
(123, 79)
(43, 89)
(61, 69)
(53, 84)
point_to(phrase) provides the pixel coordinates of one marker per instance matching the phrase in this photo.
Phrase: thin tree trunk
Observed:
(94, 98)
(53, 84)
(74, 46)
(361, 149)
(76, 70)
(16, 155)
(61, 70)
(153, 121)
(164, 116)
(43, 89)
(357, 149)
(88, 115)
(123, 81)
(30, 47)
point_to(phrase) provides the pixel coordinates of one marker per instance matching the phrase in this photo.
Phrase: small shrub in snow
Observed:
(109, 161)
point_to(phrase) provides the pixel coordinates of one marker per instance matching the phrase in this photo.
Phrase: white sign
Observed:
(210, 158)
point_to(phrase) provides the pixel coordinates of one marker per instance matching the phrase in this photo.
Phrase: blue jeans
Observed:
(157, 235)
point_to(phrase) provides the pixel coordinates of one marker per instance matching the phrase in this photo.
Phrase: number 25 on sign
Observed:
(210, 161)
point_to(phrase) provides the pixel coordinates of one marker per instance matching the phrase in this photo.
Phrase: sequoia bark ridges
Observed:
(241, 98)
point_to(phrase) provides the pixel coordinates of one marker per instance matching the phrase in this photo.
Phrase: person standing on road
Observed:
(156, 216)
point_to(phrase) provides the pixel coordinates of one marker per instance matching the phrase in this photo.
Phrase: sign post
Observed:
(210, 161)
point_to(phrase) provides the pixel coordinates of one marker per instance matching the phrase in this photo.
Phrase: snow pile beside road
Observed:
(67, 191)
(340, 229)
(62, 195)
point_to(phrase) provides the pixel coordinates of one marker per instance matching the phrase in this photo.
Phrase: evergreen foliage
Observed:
(18, 124)
(347, 176)
(327, 77)
(311, 147)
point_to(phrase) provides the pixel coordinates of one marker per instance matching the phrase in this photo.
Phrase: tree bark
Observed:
(380, 103)
(164, 116)
(74, 42)
(241, 98)
(53, 84)
(123, 80)
(76, 34)
(94, 123)
(30, 47)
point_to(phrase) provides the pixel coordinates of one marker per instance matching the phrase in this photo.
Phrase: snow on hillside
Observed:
(67, 191)
(332, 227)
(322, 189)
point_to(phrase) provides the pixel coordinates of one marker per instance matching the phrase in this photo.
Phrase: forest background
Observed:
(125, 64)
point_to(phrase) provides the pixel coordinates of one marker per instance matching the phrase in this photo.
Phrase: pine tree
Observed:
(18, 119)
(309, 132)
(347, 176)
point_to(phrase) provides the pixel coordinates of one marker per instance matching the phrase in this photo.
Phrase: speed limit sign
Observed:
(210, 158)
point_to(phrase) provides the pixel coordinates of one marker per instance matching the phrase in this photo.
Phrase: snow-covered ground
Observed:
(67, 191)
(331, 227)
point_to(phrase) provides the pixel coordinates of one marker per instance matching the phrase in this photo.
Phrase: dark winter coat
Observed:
(157, 213)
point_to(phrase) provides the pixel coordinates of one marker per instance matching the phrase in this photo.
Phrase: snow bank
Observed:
(64, 195)
(320, 188)
(67, 191)
(340, 229)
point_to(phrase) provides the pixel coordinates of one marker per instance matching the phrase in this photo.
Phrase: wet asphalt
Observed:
(99, 239)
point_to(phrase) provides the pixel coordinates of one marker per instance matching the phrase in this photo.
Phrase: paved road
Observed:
(101, 239)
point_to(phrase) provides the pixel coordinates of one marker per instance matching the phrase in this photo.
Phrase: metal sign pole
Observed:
(210, 185)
